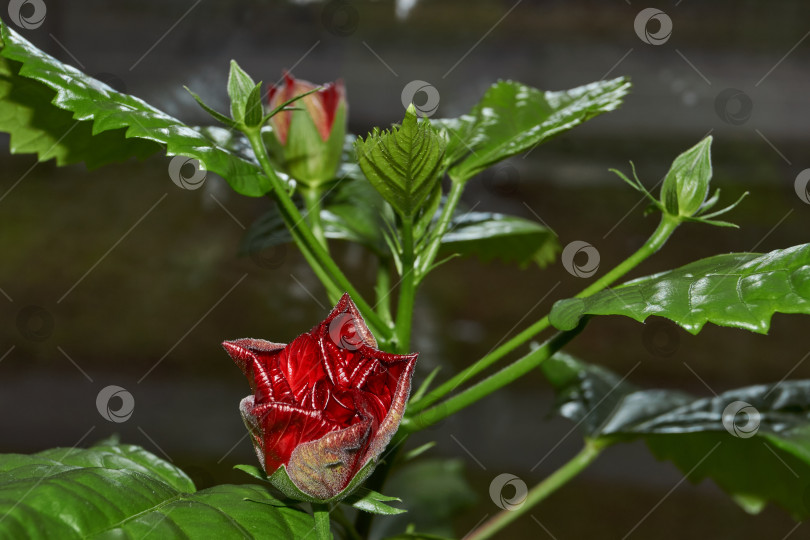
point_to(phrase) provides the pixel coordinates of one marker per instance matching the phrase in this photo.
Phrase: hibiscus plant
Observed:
(330, 413)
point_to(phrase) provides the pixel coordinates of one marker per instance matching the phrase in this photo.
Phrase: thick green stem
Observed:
(659, 237)
(382, 290)
(407, 291)
(322, 528)
(558, 478)
(427, 257)
(492, 383)
(324, 266)
(312, 203)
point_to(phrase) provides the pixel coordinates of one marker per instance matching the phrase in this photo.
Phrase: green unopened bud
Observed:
(686, 185)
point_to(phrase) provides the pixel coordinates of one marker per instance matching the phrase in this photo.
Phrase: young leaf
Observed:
(253, 107)
(512, 118)
(125, 492)
(686, 185)
(95, 104)
(716, 437)
(740, 290)
(497, 236)
(215, 114)
(370, 501)
(403, 164)
(240, 86)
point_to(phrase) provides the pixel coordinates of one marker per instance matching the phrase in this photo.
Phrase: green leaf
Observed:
(753, 442)
(123, 491)
(512, 118)
(253, 107)
(111, 113)
(240, 86)
(38, 127)
(497, 236)
(686, 185)
(370, 501)
(740, 290)
(403, 164)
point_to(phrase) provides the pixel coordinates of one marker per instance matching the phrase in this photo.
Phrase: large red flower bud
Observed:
(325, 406)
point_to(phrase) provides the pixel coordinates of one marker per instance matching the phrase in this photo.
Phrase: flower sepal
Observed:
(354, 495)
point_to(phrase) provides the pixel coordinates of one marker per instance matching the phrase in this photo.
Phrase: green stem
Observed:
(312, 203)
(492, 383)
(427, 257)
(382, 290)
(558, 478)
(659, 237)
(324, 266)
(407, 291)
(322, 528)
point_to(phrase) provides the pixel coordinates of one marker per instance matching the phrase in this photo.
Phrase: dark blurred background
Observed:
(117, 277)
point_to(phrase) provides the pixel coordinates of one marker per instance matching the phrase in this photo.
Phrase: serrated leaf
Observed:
(740, 290)
(403, 164)
(38, 127)
(512, 118)
(766, 459)
(498, 236)
(95, 104)
(124, 491)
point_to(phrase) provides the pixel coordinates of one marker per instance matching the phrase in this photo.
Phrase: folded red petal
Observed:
(324, 405)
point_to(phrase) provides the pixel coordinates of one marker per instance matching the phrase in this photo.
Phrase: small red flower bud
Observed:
(323, 407)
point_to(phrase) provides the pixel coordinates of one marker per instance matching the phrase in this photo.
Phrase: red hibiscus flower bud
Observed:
(323, 407)
(310, 141)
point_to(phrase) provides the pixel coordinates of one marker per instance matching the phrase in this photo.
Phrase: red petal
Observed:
(301, 364)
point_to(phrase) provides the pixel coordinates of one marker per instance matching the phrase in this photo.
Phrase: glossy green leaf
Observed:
(125, 492)
(740, 290)
(754, 442)
(38, 127)
(403, 164)
(95, 104)
(512, 118)
(497, 236)
(240, 87)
